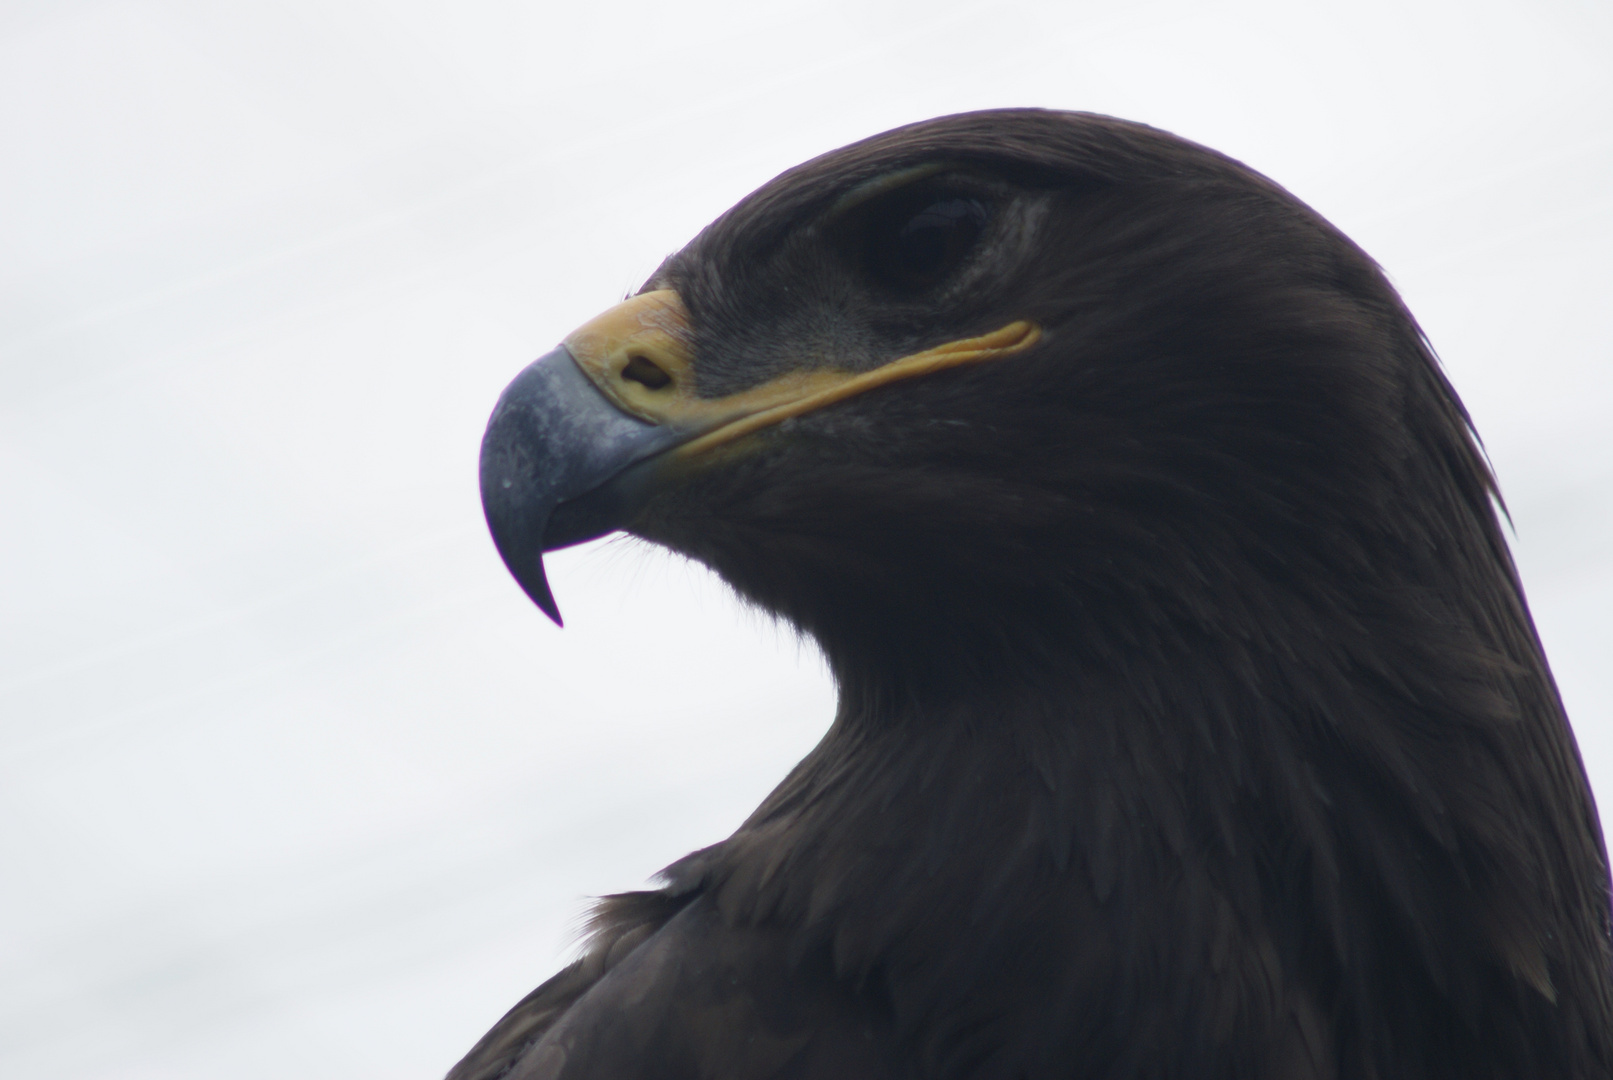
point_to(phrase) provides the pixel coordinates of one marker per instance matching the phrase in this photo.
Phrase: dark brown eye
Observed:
(919, 245)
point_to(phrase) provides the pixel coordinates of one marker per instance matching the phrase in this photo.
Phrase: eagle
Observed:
(1191, 719)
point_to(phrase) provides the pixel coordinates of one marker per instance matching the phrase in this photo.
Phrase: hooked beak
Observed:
(553, 437)
(575, 444)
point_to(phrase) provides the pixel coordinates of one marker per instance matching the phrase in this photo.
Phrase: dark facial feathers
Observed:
(1192, 719)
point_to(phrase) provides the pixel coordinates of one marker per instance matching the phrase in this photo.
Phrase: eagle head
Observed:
(1187, 686)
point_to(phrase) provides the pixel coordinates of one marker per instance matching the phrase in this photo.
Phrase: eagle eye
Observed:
(918, 243)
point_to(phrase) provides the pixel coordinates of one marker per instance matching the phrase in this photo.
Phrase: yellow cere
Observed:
(649, 333)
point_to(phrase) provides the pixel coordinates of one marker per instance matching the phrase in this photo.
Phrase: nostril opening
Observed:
(643, 370)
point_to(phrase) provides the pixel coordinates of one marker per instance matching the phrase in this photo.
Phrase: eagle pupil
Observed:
(931, 242)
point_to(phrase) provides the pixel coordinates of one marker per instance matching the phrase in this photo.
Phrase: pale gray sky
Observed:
(293, 780)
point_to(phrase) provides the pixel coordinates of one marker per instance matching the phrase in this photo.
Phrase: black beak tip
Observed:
(517, 539)
(536, 586)
(516, 525)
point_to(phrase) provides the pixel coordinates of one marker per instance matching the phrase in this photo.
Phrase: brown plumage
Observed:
(1192, 722)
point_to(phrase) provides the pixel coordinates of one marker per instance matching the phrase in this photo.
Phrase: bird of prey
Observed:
(1191, 723)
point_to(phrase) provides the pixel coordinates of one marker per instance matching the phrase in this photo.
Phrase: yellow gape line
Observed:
(640, 355)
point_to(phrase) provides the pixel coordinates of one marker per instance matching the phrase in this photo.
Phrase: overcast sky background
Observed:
(293, 780)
